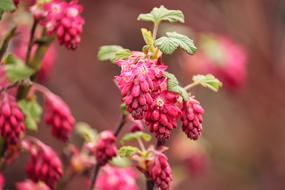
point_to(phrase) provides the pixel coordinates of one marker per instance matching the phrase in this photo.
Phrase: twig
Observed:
(8, 87)
(6, 41)
(121, 125)
(31, 41)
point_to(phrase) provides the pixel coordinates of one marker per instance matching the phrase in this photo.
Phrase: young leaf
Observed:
(122, 54)
(121, 162)
(123, 109)
(16, 70)
(6, 6)
(134, 136)
(32, 111)
(162, 14)
(208, 81)
(169, 43)
(147, 36)
(173, 86)
(85, 131)
(108, 52)
(128, 151)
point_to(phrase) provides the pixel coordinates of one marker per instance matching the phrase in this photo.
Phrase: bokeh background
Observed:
(244, 129)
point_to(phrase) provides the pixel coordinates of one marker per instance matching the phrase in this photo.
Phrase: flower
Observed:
(191, 118)
(44, 164)
(11, 119)
(105, 149)
(111, 178)
(159, 171)
(2, 181)
(139, 78)
(30, 185)
(162, 116)
(58, 115)
(64, 20)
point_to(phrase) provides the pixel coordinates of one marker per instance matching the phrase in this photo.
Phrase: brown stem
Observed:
(8, 87)
(31, 41)
(94, 176)
(6, 41)
(121, 125)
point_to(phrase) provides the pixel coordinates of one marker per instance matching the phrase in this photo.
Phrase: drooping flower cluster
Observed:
(144, 90)
(140, 76)
(11, 119)
(30, 185)
(112, 178)
(44, 165)
(57, 114)
(63, 19)
(159, 171)
(192, 118)
(105, 149)
(163, 114)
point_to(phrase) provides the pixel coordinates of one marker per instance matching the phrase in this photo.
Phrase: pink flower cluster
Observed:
(159, 171)
(111, 178)
(144, 90)
(192, 118)
(105, 149)
(63, 19)
(11, 119)
(58, 115)
(44, 164)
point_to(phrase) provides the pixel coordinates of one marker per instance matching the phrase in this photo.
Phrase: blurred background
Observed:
(241, 41)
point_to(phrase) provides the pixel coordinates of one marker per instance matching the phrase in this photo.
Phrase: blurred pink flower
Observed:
(1, 181)
(112, 178)
(221, 56)
(30, 185)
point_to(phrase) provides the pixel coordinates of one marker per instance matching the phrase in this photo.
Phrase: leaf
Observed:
(208, 81)
(108, 52)
(6, 6)
(122, 54)
(134, 136)
(128, 151)
(147, 36)
(123, 109)
(162, 14)
(173, 86)
(169, 43)
(121, 162)
(85, 131)
(32, 111)
(16, 70)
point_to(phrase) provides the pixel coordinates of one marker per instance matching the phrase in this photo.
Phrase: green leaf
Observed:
(208, 81)
(134, 136)
(108, 52)
(6, 6)
(86, 132)
(128, 151)
(173, 86)
(162, 14)
(16, 70)
(147, 36)
(32, 111)
(122, 54)
(121, 162)
(169, 43)
(123, 109)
